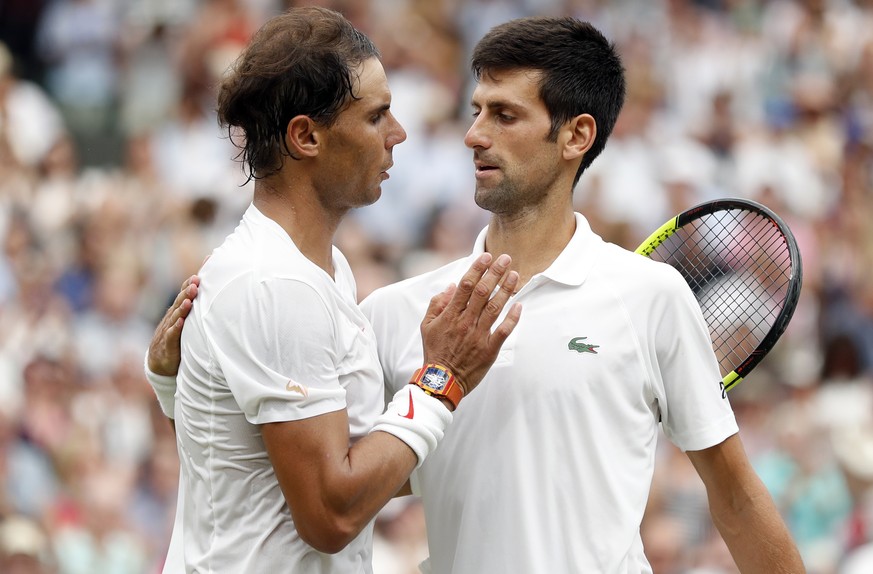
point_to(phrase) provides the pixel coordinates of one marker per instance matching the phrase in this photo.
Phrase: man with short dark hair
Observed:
(547, 468)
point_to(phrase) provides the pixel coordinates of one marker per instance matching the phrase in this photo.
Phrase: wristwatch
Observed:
(438, 381)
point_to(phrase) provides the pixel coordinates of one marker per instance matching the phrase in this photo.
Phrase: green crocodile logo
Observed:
(577, 345)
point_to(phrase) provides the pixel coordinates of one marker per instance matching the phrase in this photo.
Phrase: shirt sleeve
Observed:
(695, 411)
(275, 342)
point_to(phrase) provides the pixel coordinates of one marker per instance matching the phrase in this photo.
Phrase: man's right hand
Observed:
(456, 330)
(165, 349)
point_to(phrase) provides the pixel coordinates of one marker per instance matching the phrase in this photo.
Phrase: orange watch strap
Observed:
(452, 392)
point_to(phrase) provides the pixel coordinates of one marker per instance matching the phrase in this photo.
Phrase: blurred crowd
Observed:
(116, 182)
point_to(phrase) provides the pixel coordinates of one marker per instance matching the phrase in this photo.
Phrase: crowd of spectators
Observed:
(116, 182)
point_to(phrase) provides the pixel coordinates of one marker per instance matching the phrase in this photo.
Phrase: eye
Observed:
(505, 117)
(379, 116)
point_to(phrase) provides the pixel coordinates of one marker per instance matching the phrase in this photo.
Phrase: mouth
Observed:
(384, 173)
(485, 169)
(483, 166)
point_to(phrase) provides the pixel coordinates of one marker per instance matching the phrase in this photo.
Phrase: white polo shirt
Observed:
(271, 338)
(548, 463)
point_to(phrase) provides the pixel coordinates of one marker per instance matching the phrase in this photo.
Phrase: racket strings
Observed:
(738, 264)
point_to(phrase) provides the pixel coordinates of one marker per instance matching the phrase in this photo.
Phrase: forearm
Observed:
(755, 533)
(333, 490)
(376, 469)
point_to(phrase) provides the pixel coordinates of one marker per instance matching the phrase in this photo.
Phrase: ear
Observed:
(578, 136)
(303, 137)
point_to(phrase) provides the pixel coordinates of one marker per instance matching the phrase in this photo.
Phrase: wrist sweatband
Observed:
(416, 418)
(164, 387)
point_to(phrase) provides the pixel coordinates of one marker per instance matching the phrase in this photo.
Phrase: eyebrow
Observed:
(379, 109)
(496, 104)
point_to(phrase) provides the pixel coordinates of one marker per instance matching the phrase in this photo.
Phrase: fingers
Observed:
(479, 294)
(163, 355)
(188, 290)
(500, 334)
(494, 306)
(179, 314)
(438, 304)
(468, 283)
(183, 302)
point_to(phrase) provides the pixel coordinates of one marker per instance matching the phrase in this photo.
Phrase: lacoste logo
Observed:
(577, 345)
(411, 412)
(297, 388)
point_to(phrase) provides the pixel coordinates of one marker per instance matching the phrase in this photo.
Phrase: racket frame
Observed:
(795, 278)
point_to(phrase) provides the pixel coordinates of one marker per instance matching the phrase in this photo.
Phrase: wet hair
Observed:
(581, 70)
(302, 62)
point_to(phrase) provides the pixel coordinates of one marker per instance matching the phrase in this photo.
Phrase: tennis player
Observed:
(286, 454)
(547, 467)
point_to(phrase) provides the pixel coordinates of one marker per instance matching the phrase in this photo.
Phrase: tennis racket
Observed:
(742, 263)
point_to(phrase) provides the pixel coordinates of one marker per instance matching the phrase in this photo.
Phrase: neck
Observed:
(533, 239)
(294, 206)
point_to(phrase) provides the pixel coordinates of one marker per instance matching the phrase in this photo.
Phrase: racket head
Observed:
(743, 265)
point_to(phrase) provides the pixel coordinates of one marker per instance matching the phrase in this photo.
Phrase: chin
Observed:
(373, 197)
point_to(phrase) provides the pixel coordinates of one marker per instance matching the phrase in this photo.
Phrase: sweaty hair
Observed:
(301, 62)
(581, 70)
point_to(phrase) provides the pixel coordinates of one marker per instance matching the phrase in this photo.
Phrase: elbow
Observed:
(328, 534)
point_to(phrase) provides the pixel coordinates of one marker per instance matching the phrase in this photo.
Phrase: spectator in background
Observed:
(30, 124)
(78, 42)
(25, 548)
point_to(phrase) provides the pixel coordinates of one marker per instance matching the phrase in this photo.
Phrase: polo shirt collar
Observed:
(572, 265)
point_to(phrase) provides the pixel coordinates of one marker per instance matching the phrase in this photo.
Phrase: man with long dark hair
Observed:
(286, 454)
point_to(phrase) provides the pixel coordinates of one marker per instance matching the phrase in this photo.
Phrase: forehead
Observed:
(520, 86)
(371, 84)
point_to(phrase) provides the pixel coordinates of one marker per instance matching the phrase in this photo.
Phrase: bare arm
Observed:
(334, 491)
(744, 512)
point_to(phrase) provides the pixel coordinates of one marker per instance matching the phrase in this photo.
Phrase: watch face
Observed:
(435, 379)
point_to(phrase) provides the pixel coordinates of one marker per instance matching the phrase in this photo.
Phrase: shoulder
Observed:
(269, 288)
(638, 276)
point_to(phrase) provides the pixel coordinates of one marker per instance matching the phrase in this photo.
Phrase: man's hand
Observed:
(165, 348)
(456, 330)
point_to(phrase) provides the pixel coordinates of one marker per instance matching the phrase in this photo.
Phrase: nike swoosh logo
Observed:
(411, 412)
(295, 387)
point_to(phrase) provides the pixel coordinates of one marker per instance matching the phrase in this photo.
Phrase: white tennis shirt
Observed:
(547, 464)
(271, 338)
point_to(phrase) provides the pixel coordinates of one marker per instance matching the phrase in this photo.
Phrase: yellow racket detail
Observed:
(658, 237)
(743, 265)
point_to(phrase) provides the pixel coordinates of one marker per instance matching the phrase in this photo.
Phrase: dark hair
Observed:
(581, 70)
(301, 62)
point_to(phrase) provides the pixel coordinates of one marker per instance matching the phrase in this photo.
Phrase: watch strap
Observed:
(452, 391)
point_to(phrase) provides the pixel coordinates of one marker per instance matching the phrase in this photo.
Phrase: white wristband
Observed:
(164, 387)
(416, 418)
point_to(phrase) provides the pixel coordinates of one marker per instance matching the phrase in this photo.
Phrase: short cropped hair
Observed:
(302, 62)
(581, 70)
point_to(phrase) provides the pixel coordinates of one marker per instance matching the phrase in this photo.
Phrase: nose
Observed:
(476, 136)
(396, 134)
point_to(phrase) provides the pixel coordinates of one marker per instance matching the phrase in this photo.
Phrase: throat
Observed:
(532, 247)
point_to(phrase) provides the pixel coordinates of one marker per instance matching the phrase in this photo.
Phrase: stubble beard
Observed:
(500, 199)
